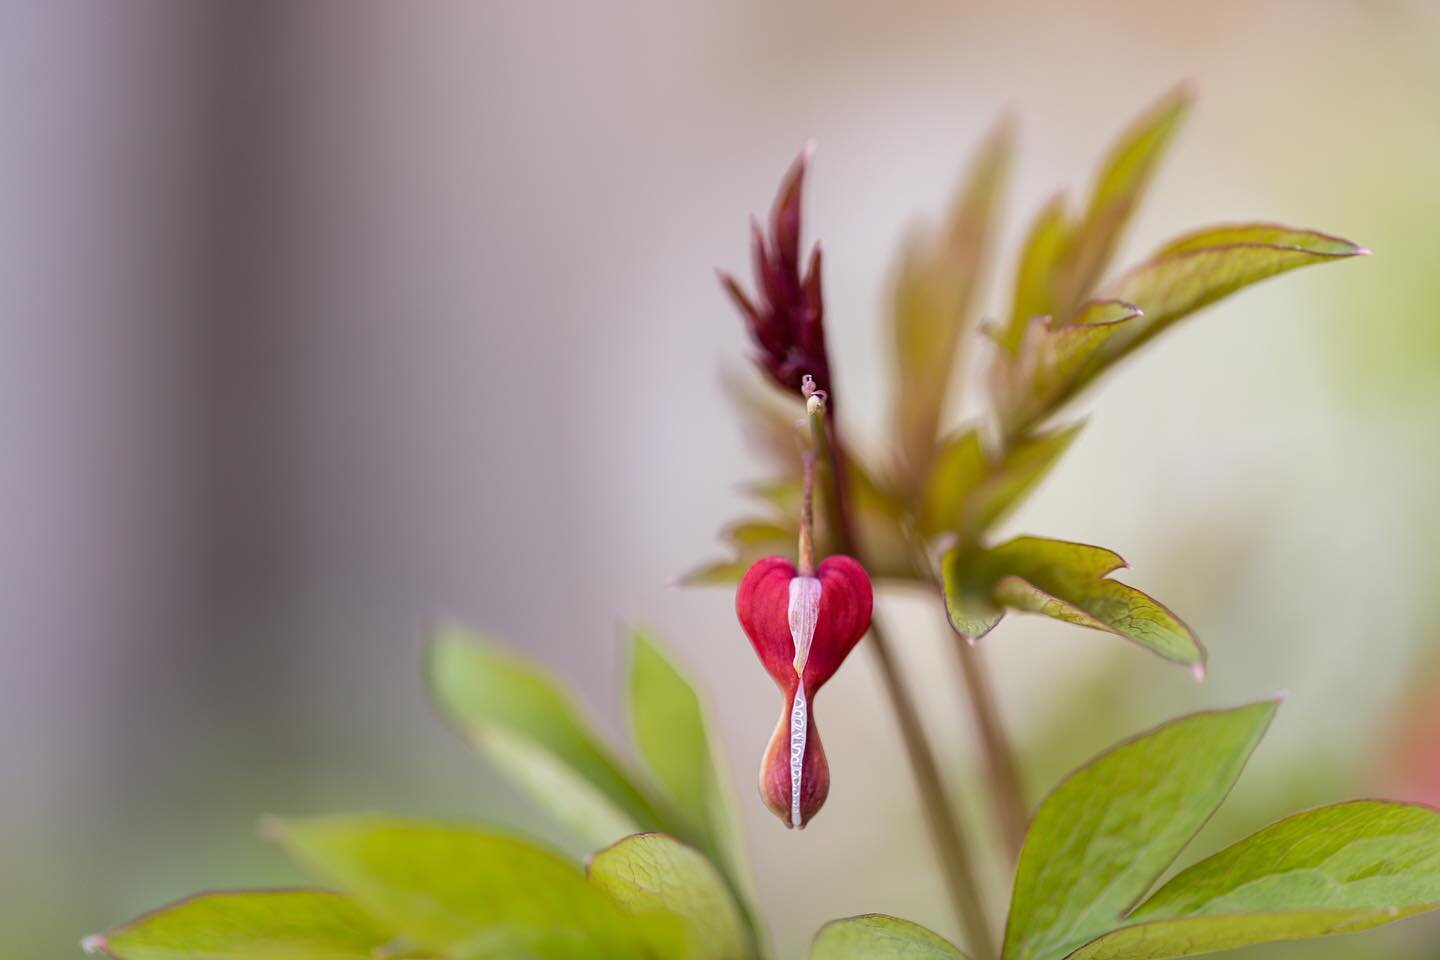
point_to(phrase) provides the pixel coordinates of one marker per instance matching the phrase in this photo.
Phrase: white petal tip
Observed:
(93, 943)
(1197, 670)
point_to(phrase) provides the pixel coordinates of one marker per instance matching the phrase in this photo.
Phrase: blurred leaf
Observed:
(1054, 361)
(774, 423)
(1337, 869)
(939, 280)
(879, 517)
(523, 721)
(1064, 580)
(749, 540)
(1063, 261)
(1123, 178)
(652, 872)
(249, 925)
(469, 893)
(878, 937)
(958, 469)
(672, 733)
(967, 493)
(1198, 269)
(1107, 832)
(880, 523)
(1034, 278)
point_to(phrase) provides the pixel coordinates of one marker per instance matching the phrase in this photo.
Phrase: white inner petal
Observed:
(804, 612)
(799, 723)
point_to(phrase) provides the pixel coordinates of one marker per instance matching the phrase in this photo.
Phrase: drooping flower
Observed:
(786, 318)
(802, 626)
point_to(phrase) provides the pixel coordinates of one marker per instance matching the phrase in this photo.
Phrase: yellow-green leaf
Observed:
(1123, 178)
(1107, 832)
(524, 722)
(467, 892)
(934, 297)
(1196, 270)
(878, 937)
(672, 733)
(1054, 362)
(249, 925)
(1040, 260)
(652, 873)
(1067, 581)
(1337, 869)
(967, 493)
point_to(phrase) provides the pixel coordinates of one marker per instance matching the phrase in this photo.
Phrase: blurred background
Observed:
(321, 319)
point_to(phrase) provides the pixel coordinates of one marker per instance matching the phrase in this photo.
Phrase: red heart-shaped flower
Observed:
(778, 607)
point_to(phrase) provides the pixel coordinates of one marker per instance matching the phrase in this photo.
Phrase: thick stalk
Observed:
(951, 845)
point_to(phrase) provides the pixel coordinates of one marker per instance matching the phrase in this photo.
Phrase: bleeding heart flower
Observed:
(802, 627)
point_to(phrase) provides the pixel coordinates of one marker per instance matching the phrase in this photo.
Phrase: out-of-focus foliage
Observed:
(255, 924)
(1097, 845)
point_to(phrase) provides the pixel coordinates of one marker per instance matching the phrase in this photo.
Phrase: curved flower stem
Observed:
(951, 845)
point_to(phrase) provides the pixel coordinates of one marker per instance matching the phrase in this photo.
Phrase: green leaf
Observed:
(966, 493)
(1067, 581)
(467, 892)
(652, 872)
(1337, 869)
(1196, 270)
(960, 466)
(1063, 261)
(1124, 176)
(524, 722)
(878, 937)
(1040, 260)
(672, 733)
(1107, 832)
(934, 297)
(1054, 362)
(969, 588)
(248, 925)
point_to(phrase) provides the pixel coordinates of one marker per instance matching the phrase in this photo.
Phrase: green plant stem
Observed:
(951, 845)
(1002, 774)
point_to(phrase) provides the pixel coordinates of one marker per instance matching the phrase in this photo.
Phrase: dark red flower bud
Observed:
(802, 627)
(787, 319)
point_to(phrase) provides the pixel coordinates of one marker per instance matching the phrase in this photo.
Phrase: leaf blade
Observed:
(1124, 176)
(296, 924)
(1336, 869)
(523, 721)
(934, 298)
(1103, 836)
(1197, 270)
(651, 872)
(878, 937)
(463, 890)
(672, 733)
(1069, 581)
